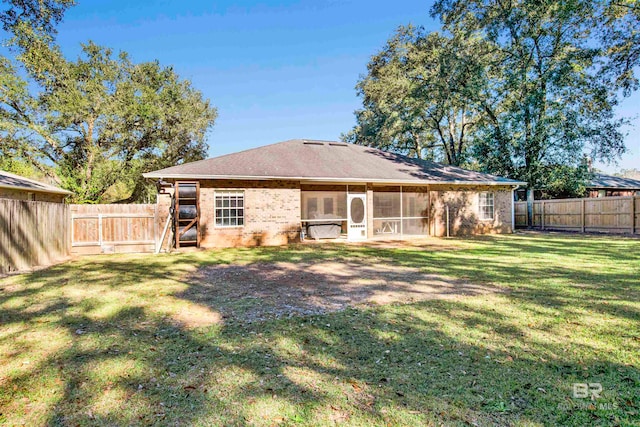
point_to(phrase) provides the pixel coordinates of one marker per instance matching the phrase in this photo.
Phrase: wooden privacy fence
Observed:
(32, 234)
(99, 229)
(601, 215)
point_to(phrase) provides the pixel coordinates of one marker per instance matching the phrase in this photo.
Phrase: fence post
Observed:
(583, 215)
(530, 208)
(633, 215)
(70, 229)
(100, 230)
(542, 216)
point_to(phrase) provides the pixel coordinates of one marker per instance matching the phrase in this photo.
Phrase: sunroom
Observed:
(359, 212)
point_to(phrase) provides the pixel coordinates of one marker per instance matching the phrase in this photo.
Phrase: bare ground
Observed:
(260, 291)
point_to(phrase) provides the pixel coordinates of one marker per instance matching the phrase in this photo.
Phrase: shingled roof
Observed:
(17, 182)
(602, 181)
(326, 161)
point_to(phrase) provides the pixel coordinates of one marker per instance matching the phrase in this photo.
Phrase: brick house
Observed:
(278, 193)
(20, 188)
(607, 185)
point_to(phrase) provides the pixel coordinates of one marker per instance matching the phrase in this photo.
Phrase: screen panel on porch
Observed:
(386, 211)
(319, 205)
(397, 212)
(415, 212)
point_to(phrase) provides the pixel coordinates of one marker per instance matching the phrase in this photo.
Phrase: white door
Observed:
(357, 218)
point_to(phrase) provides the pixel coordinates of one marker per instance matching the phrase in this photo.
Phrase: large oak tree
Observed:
(95, 124)
(420, 96)
(92, 125)
(554, 99)
(520, 88)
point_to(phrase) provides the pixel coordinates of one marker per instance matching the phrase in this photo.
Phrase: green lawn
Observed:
(118, 340)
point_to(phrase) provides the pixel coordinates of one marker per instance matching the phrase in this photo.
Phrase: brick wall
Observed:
(6, 193)
(464, 210)
(271, 213)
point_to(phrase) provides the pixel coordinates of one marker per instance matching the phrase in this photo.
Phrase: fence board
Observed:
(32, 234)
(636, 228)
(521, 214)
(113, 228)
(602, 215)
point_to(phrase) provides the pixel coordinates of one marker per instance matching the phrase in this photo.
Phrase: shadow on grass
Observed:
(440, 361)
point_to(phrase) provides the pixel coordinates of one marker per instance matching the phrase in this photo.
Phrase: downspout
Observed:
(513, 210)
(401, 215)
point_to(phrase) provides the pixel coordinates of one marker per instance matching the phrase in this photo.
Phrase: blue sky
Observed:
(275, 70)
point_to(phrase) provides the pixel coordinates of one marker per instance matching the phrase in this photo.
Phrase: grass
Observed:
(116, 340)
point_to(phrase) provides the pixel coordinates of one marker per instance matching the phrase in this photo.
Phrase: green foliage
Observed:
(565, 181)
(521, 89)
(553, 100)
(620, 34)
(40, 15)
(95, 124)
(420, 96)
(102, 120)
(19, 167)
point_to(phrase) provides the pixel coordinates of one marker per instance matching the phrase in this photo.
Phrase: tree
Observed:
(620, 33)
(421, 95)
(39, 15)
(100, 121)
(35, 18)
(628, 173)
(551, 85)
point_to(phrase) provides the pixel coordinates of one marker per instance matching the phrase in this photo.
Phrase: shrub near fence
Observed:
(32, 234)
(600, 215)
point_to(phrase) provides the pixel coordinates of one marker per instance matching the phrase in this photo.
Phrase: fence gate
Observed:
(99, 229)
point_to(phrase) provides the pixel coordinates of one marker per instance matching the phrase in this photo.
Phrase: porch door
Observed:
(357, 217)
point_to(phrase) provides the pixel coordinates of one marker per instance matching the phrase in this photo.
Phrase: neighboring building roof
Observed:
(326, 161)
(602, 181)
(17, 182)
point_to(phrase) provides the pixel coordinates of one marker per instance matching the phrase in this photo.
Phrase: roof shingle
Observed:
(608, 181)
(17, 182)
(313, 160)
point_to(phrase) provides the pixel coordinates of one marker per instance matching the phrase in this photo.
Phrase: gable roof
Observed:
(608, 181)
(17, 182)
(326, 161)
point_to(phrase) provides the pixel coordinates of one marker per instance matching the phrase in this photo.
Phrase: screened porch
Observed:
(400, 211)
(357, 212)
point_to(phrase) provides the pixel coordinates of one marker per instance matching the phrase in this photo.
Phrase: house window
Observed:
(486, 205)
(229, 208)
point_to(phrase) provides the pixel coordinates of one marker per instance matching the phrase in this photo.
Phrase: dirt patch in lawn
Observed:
(261, 291)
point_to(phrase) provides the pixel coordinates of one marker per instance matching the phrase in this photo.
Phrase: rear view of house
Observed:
(321, 189)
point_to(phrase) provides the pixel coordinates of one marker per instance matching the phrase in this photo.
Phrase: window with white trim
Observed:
(485, 206)
(229, 210)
